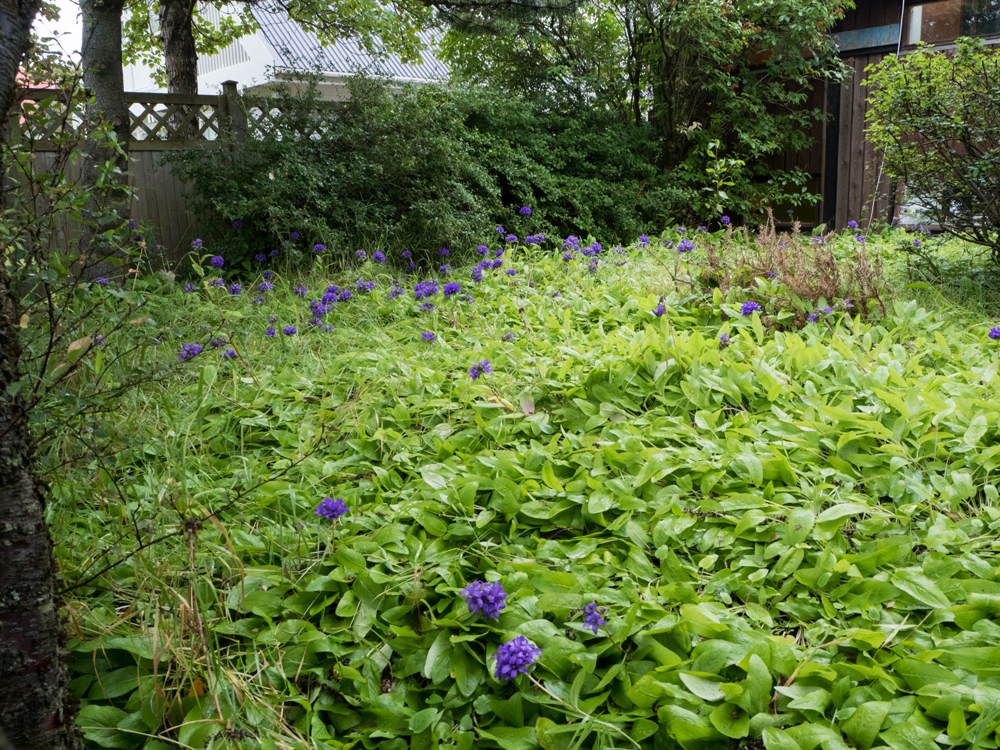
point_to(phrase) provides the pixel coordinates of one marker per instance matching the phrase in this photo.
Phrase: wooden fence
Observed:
(159, 123)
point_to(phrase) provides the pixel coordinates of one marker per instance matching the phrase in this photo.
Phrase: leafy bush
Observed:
(934, 116)
(793, 532)
(420, 168)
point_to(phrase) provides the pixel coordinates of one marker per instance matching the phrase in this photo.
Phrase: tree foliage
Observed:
(935, 118)
(737, 74)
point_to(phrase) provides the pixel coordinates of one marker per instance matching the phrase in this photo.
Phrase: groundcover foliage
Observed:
(790, 537)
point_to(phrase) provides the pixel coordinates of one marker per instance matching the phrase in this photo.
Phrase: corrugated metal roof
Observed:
(295, 47)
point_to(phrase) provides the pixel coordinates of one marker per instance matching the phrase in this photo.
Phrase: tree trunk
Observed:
(180, 56)
(103, 76)
(181, 60)
(36, 707)
(16, 17)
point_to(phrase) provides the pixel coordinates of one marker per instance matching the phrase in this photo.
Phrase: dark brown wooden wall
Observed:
(870, 13)
(863, 190)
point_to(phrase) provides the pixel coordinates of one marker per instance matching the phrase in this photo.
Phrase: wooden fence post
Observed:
(235, 115)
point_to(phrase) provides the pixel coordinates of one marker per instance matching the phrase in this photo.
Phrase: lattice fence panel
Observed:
(154, 121)
(262, 121)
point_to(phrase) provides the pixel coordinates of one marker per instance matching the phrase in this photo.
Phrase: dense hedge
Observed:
(424, 167)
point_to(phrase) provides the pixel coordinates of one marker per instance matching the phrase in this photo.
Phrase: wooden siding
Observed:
(870, 13)
(863, 190)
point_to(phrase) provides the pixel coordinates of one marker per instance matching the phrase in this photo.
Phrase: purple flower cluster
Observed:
(395, 292)
(994, 333)
(659, 310)
(427, 306)
(430, 338)
(724, 341)
(361, 254)
(510, 238)
(265, 286)
(230, 354)
(331, 508)
(190, 288)
(196, 244)
(514, 658)
(486, 599)
(425, 289)
(592, 617)
(237, 224)
(102, 281)
(260, 257)
(300, 291)
(534, 239)
(219, 282)
(685, 246)
(443, 251)
(571, 242)
(479, 369)
(749, 308)
(452, 287)
(378, 256)
(592, 250)
(852, 224)
(364, 287)
(294, 236)
(525, 211)
(477, 274)
(236, 289)
(445, 269)
(643, 239)
(289, 330)
(188, 351)
(725, 219)
(318, 248)
(482, 249)
(217, 261)
(269, 332)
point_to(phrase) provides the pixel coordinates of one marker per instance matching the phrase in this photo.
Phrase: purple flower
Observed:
(378, 256)
(994, 333)
(860, 239)
(479, 369)
(572, 242)
(497, 263)
(217, 261)
(98, 340)
(196, 244)
(681, 229)
(724, 219)
(102, 281)
(430, 338)
(300, 291)
(510, 272)
(498, 253)
(477, 274)
(525, 211)
(345, 295)
(294, 235)
(643, 239)
(620, 262)
(852, 224)
(486, 599)
(289, 330)
(258, 300)
(265, 286)
(190, 288)
(916, 243)
(218, 282)
(443, 251)
(411, 266)
(425, 289)
(260, 257)
(659, 310)
(813, 318)
(331, 508)
(272, 320)
(771, 275)
(317, 248)
(724, 341)
(230, 354)
(364, 287)
(702, 229)
(405, 254)
(592, 618)
(817, 240)
(361, 254)
(131, 225)
(514, 658)
(567, 257)
(845, 304)
(188, 351)
(452, 287)
(501, 230)
(395, 292)
(508, 337)
(427, 306)
(685, 246)
(236, 289)
(748, 309)
(269, 332)
(510, 238)
(237, 224)
(482, 249)
(274, 252)
(445, 269)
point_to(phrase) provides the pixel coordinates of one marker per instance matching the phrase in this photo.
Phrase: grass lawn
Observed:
(789, 529)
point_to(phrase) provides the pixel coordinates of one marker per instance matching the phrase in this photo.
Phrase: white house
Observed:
(280, 44)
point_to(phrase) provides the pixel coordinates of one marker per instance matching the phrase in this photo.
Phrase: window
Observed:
(946, 20)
